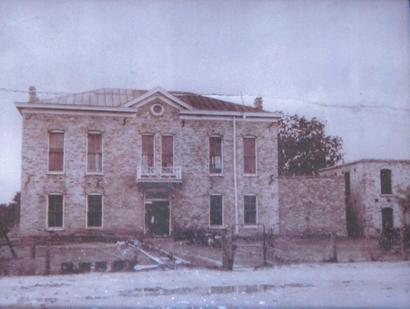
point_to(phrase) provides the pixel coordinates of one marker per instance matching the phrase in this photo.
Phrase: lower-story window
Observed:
(55, 211)
(216, 210)
(250, 209)
(94, 210)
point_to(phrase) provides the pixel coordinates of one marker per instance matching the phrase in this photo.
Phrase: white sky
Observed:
(290, 52)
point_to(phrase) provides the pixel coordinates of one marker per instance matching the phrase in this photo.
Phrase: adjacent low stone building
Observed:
(371, 188)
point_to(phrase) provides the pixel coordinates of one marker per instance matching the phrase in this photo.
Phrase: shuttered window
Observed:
(148, 150)
(94, 211)
(215, 155)
(55, 211)
(56, 152)
(216, 211)
(94, 153)
(250, 209)
(167, 147)
(249, 153)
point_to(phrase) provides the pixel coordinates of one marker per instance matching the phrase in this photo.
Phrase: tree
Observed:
(10, 213)
(403, 199)
(304, 148)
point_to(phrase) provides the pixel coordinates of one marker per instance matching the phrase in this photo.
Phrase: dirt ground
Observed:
(371, 285)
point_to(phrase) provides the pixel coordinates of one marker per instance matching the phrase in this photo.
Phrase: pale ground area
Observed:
(371, 285)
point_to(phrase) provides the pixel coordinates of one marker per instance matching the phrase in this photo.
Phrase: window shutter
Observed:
(249, 152)
(167, 145)
(56, 152)
(148, 150)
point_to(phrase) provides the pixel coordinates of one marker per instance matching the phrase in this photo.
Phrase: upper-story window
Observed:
(147, 150)
(347, 186)
(167, 149)
(56, 151)
(94, 152)
(215, 155)
(249, 155)
(385, 181)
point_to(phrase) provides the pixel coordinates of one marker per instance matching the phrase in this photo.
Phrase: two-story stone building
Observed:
(371, 187)
(129, 161)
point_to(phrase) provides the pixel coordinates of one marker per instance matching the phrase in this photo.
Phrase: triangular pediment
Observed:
(158, 94)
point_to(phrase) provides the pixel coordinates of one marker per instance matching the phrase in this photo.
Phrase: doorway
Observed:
(157, 218)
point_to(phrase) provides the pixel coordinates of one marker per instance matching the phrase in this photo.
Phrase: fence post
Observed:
(264, 246)
(48, 259)
(333, 245)
(227, 250)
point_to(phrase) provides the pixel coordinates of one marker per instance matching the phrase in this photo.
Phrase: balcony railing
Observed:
(159, 174)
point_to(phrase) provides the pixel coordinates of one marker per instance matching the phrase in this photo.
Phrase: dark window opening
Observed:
(385, 181)
(84, 267)
(55, 211)
(56, 152)
(67, 267)
(215, 155)
(249, 153)
(387, 219)
(148, 150)
(347, 187)
(118, 265)
(94, 211)
(94, 152)
(100, 266)
(216, 214)
(250, 209)
(167, 147)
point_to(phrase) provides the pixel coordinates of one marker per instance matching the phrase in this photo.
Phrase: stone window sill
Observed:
(54, 229)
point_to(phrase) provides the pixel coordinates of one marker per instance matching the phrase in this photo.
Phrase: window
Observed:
(55, 211)
(387, 219)
(94, 211)
(94, 153)
(216, 212)
(250, 209)
(249, 153)
(385, 181)
(215, 155)
(167, 148)
(148, 150)
(56, 152)
(347, 186)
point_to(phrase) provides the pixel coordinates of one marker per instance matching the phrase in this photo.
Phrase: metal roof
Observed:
(114, 97)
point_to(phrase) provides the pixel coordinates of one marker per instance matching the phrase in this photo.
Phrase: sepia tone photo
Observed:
(192, 154)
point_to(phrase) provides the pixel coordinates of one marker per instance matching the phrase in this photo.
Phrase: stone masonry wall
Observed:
(312, 205)
(123, 199)
(366, 198)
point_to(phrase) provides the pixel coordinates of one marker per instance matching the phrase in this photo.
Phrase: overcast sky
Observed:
(299, 55)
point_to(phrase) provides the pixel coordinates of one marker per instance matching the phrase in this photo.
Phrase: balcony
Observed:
(159, 174)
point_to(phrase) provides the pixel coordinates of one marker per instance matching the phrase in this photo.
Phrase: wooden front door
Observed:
(157, 218)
